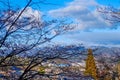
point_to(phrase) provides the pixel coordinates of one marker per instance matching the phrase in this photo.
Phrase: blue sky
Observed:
(91, 28)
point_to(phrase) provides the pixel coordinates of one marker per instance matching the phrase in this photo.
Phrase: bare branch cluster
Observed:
(21, 35)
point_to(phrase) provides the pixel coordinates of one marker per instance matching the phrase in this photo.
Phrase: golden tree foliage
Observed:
(91, 69)
(118, 69)
(41, 70)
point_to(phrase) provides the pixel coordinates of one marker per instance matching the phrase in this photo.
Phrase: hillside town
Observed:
(58, 69)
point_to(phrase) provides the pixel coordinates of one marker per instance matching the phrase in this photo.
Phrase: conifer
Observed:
(91, 69)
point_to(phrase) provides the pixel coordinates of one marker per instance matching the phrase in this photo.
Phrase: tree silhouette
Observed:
(111, 14)
(22, 34)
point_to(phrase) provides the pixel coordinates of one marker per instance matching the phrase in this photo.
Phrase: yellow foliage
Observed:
(91, 69)
(118, 69)
(41, 70)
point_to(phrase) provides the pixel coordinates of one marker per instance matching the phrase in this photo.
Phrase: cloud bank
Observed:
(87, 17)
(84, 13)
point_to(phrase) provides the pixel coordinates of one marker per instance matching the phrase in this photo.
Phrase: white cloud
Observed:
(94, 38)
(33, 17)
(97, 36)
(35, 14)
(88, 18)
(84, 13)
(83, 3)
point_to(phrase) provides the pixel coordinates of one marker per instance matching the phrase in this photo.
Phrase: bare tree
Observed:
(22, 36)
(111, 14)
(50, 55)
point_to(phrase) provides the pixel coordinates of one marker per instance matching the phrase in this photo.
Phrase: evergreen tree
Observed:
(91, 69)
